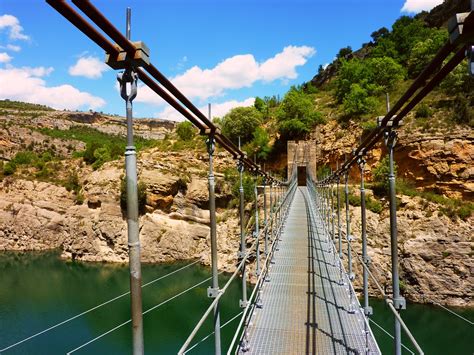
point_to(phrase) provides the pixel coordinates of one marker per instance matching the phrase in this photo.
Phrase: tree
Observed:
(424, 51)
(385, 72)
(296, 114)
(381, 172)
(407, 31)
(259, 144)
(382, 32)
(344, 52)
(360, 81)
(358, 101)
(185, 131)
(241, 122)
(260, 105)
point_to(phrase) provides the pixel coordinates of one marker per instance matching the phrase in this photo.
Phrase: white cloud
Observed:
(217, 110)
(415, 6)
(13, 48)
(15, 31)
(283, 64)
(236, 72)
(146, 95)
(325, 65)
(89, 67)
(26, 84)
(5, 58)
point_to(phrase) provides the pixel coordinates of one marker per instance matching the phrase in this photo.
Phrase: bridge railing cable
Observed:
(390, 335)
(389, 303)
(143, 313)
(283, 204)
(95, 308)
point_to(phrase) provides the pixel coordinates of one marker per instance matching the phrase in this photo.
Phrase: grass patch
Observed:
(18, 105)
(450, 207)
(100, 147)
(370, 203)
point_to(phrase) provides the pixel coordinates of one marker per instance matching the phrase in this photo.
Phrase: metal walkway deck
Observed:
(306, 308)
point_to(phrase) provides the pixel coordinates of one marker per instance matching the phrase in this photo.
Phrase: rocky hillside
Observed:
(53, 198)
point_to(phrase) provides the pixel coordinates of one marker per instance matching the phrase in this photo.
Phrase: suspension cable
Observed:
(389, 303)
(143, 313)
(94, 308)
(223, 290)
(210, 334)
(390, 335)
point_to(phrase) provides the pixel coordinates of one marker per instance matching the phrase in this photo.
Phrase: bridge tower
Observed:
(303, 154)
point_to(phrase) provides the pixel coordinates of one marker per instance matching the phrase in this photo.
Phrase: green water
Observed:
(436, 330)
(39, 290)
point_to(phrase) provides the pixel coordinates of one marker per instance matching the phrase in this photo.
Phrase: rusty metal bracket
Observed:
(140, 58)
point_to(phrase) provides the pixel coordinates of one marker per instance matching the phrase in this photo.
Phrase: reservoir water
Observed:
(38, 290)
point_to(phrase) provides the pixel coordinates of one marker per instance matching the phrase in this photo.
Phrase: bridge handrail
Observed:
(389, 303)
(235, 273)
(246, 314)
(171, 95)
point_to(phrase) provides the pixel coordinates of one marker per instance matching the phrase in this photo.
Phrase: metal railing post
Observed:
(271, 209)
(333, 214)
(129, 76)
(257, 231)
(348, 229)
(339, 217)
(265, 214)
(240, 168)
(213, 291)
(398, 301)
(365, 258)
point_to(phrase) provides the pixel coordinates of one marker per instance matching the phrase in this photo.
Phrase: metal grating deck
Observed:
(305, 303)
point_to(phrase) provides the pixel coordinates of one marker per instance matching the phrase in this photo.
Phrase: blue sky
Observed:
(221, 51)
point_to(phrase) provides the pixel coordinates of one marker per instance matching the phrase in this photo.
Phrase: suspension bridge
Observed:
(303, 300)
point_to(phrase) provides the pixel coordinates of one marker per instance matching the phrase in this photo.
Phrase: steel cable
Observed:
(143, 313)
(94, 308)
(210, 334)
(390, 335)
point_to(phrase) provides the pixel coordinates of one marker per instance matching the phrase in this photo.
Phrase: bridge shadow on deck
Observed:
(317, 255)
(306, 308)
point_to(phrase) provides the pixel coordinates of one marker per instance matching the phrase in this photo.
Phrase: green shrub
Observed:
(423, 111)
(381, 172)
(248, 186)
(297, 115)
(100, 146)
(79, 199)
(72, 183)
(9, 168)
(241, 122)
(370, 203)
(373, 205)
(185, 131)
(25, 157)
(141, 192)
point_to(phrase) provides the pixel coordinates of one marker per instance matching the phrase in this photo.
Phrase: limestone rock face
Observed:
(435, 253)
(441, 161)
(40, 216)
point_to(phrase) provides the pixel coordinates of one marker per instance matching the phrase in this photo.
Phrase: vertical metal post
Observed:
(333, 214)
(257, 231)
(365, 258)
(129, 76)
(265, 213)
(348, 228)
(214, 290)
(240, 168)
(271, 209)
(339, 216)
(398, 301)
